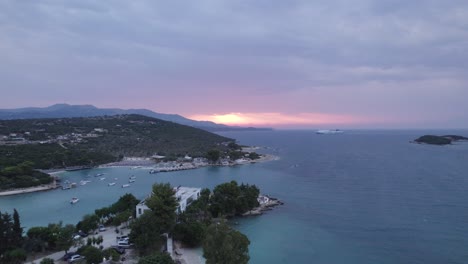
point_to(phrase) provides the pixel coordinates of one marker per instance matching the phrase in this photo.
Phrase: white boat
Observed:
(103, 178)
(131, 180)
(125, 185)
(111, 184)
(132, 177)
(84, 182)
(99, 175)
(329, 132)
(74, 200)
(153, 171)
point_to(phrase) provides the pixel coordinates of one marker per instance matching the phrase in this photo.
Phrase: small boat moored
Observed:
(125, 185)
(111, 184)
(131, 180)
(74, 200)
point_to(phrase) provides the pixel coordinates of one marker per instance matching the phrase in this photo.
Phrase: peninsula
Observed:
(30, 145)
(439, 140)
(72, 143)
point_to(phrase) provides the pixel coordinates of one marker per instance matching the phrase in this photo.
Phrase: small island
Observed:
(439, 140)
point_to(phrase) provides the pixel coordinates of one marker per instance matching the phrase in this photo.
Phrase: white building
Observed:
(184, 195)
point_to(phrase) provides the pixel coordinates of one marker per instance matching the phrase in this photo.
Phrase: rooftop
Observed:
(180, 192)
(185, 192)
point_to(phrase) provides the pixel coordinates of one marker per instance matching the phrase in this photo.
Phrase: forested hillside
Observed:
(65, 142)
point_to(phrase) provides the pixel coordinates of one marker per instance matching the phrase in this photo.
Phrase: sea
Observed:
(364, 197)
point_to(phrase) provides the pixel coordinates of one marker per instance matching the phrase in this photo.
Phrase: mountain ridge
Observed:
(67, 110)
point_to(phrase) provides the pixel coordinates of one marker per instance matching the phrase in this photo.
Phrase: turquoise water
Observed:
(359, 197)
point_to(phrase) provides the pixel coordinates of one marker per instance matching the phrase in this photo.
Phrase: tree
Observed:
(163, 205)
(91, 254)
(15, 256)
(126, 202)
(146, 233)
(191, 233)
(111, 254)
(225, 245)
(65, 237)
(7, 235)
(158, 258)
(47, 261)
(198, 210)
(17, 230)
(213, 155)
(224, 199)
(88, 223)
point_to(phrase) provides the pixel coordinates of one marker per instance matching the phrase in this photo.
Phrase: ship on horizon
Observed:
(329, 132)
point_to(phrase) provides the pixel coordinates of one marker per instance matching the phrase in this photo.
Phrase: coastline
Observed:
(39, 188)
(141, 163)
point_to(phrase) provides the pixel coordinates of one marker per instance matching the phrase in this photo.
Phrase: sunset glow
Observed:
(277, 119)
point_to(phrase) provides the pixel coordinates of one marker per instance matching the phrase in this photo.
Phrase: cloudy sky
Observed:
(321, 63)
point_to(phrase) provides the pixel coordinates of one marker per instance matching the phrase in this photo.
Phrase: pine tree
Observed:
(17, 230)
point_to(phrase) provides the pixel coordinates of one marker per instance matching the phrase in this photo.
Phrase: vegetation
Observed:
(222, 244)
(439, 140)
(22, 176)
(70, 142)
(11, 240)
(163, 204)
(110, 254)
(147, 230)
(213, 155)
(118, 212)
(47, 261)
(91, 254)
(94, 140)
(230, 199)
(194, 227)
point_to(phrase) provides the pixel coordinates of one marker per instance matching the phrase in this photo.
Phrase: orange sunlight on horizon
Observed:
(277, 119)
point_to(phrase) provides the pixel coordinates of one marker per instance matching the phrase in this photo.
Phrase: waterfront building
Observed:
(184, 195)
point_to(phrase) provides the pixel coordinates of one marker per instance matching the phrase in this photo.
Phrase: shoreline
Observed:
(266, 204)
(138, 163)
(40, 188)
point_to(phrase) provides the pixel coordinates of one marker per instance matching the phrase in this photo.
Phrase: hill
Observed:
(52, 143)
(89, 141)
(67, 111)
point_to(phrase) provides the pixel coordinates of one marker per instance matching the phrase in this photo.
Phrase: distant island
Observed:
(439, 140)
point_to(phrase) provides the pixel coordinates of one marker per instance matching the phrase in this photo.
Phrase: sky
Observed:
(285, 64)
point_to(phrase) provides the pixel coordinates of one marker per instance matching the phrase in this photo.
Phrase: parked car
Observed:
(68, 255)
(122, 237)
(119, 250)
(124, 244)
(75, 258)
(102, 228)
(82, 234)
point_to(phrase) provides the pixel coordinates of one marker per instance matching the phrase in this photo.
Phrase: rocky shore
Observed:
(266, 204)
